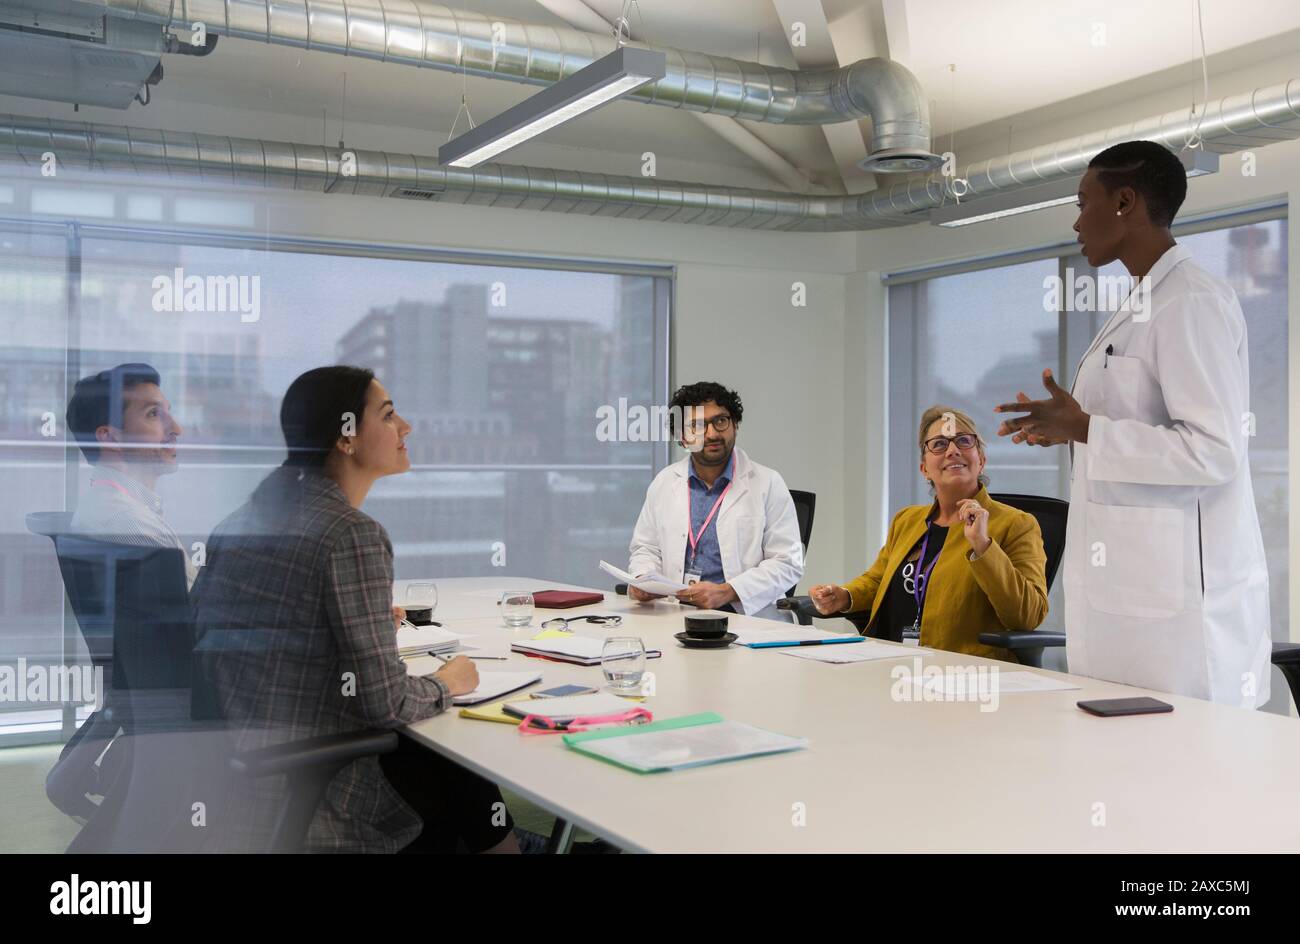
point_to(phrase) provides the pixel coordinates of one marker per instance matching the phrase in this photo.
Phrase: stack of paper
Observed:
(417, 640)
(650, 583)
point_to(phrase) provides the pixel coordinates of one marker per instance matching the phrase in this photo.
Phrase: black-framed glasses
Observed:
(561, 623)
(939, 444)
(721, 422)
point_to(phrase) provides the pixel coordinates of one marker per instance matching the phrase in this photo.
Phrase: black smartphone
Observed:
(1109, 707)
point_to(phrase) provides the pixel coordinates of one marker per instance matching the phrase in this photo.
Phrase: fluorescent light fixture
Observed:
(1058, 193)
(625, 69)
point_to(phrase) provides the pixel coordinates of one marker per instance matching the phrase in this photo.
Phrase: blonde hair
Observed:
(961, 421)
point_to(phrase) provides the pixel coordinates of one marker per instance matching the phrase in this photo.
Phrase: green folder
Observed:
(582, 742)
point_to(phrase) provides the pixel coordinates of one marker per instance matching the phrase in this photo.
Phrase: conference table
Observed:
(881, 774)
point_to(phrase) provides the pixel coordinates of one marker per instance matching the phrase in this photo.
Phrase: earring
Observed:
(1118, 213)
(349, 452)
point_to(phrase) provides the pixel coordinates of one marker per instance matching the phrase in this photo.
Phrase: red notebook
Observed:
(564, 599)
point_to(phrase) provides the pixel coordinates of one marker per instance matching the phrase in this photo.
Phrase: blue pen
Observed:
(804, 642)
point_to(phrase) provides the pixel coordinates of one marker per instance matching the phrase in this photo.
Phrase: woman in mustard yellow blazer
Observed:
(953, 569)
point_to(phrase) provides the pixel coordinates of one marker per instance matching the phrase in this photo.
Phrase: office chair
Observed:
(1026, 646)
(1286, 656)
(805, 507)
(161, 744)
(308, 766)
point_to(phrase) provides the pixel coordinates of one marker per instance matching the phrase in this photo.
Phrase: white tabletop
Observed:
(884, 775)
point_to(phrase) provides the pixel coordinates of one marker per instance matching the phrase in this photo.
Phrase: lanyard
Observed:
(922, 582)
(111, 484)
(696, 535)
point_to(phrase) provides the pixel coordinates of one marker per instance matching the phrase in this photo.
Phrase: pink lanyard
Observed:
(110, 484)
(694, 535)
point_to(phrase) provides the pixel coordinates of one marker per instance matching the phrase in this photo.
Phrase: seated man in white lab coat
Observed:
(717, 520)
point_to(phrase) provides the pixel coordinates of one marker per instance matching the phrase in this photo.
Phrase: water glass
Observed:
(623, 662)
(517, 608)
(421, 595)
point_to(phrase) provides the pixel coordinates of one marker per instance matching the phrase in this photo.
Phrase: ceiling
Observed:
(1012, 56)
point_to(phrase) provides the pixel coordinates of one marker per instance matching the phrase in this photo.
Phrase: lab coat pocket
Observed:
(1134, 560)
(1128, 390)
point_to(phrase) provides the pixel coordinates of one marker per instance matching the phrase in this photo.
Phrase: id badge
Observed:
(691, 578)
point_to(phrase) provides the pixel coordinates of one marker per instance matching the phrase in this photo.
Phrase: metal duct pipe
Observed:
(1232, 124)
(417, 33)
(1235, 123)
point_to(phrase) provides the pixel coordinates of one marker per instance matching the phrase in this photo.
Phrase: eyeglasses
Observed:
(561, 623)
(721, 422)
(939, 444)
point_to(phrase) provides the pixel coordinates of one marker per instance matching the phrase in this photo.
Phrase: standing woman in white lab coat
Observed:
(1165, 580)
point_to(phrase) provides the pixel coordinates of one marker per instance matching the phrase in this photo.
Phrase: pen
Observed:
(803, 642)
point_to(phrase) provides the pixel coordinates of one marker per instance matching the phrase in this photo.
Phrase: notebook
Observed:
(564, 599)
(579, 650)
(568, 707)
(493, 685)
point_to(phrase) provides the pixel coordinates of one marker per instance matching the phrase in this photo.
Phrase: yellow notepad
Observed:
(490, 712)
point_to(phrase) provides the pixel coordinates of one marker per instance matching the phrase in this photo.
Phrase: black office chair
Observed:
(1286, 656)
(308, 767)
(805, 507)
(1027, 647)
(158, 739)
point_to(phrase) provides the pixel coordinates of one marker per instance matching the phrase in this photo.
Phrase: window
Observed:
(500, 368)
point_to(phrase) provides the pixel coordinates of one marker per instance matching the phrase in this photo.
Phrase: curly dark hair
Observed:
(706, 391)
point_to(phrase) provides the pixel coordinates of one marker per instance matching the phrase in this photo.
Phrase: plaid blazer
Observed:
(294, 630)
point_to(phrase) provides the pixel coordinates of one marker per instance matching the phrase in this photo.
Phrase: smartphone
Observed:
(560, 691)
(1110, 707)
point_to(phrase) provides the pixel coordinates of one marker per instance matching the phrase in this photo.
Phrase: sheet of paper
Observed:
(868, 651)
(956, 684)
(494, 685)
(695, 746)
(650, 583)
(783, 632)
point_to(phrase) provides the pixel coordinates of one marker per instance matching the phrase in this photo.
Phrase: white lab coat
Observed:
(758, 534)
(1165, 580)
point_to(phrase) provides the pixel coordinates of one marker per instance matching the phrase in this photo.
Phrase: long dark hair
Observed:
(312, 417)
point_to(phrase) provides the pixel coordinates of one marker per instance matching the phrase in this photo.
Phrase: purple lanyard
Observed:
(922, 583)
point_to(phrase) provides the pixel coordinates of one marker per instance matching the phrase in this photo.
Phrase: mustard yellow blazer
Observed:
(1005, 587)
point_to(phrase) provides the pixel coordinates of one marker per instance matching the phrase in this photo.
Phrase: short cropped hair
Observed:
(98, 400)
(1150, 169)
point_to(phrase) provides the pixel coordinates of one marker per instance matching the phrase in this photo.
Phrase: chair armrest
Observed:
(330, 751)
(1020, 639)
(1286, 653)
(805, 606)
